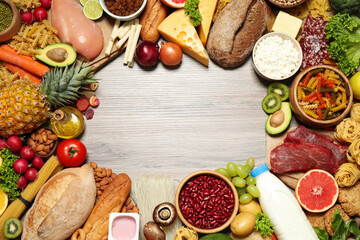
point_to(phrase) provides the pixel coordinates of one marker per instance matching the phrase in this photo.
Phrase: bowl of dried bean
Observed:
(206, 201)
(123, 10)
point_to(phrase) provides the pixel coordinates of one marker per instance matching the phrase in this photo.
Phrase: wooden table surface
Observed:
(176, 121)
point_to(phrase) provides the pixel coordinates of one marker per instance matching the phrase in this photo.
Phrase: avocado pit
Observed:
(57, 54)
(277, 118)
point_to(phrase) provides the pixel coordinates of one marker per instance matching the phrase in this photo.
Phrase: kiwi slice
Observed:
(279, 88)
(271, 103)
(12, 228)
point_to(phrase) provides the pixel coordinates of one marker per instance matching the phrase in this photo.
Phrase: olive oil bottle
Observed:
(67, 122)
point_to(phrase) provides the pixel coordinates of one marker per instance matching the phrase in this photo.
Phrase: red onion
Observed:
(147, 53)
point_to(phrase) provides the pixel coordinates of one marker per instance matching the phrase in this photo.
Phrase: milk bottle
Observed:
(286, 215)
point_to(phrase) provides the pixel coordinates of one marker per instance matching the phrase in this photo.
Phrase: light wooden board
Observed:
(290, 179)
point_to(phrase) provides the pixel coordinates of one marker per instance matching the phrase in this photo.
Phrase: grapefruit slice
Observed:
(174, 3)
(317, 190)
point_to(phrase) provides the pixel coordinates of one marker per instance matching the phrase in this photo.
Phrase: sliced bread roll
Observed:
(62, 205)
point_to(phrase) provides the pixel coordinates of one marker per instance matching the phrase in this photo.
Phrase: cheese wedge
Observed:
(286, 23)
(177, 28)
(207, 10)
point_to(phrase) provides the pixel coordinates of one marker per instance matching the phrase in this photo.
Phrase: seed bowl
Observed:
(125, 17)
(206, 201)
(15, 25)
(299, 110)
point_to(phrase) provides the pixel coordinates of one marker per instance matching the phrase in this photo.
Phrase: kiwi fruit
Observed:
(279, 88)
(12, 228)
(271, 103)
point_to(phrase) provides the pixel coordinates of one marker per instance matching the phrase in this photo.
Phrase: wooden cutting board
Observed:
(290, 179)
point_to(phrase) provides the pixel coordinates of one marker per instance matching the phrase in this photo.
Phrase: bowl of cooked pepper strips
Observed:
(10, 20)
(321, 96)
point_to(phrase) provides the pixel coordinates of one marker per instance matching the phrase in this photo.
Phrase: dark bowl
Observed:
(302, 116)
(286, 4)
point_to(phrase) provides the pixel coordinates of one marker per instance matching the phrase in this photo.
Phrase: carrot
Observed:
(21, 72)
(8, 54)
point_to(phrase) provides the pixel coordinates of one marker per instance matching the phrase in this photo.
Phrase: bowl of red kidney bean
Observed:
(206, 201)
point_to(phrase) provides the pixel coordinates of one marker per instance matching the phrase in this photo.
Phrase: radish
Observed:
(27, 153)
(3, 144)
(31, 174)
(37, 162)
(15, 143)
(20, 166)
(45, 3)
(22, 182)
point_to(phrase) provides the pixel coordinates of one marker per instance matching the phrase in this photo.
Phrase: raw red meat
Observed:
(302, 135)
(289, 157)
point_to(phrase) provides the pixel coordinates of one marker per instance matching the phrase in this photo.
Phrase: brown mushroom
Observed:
(152, 231)
(164, 214)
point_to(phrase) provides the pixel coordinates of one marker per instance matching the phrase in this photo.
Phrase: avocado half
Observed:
(285, 107)
(57, 55)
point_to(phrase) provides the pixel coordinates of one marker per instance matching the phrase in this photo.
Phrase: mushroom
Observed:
(164, 214)
(152, 231)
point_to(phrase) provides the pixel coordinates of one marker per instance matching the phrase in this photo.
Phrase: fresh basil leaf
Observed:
(353, 227)
(338, 226)
(322, 234)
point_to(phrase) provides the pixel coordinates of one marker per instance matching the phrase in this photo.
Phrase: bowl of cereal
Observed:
(206, 201)
(321, 96)
(276, 56)
(123, 10)
(10, 22)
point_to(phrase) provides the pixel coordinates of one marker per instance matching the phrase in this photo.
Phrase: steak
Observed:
(302, 135)
(289, 157)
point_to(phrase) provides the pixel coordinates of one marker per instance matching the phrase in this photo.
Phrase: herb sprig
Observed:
(8, 177)
(192, 10)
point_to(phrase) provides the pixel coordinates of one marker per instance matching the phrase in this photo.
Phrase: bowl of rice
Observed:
(276, 56)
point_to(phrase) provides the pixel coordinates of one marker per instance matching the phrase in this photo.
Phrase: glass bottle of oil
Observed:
(67, 122)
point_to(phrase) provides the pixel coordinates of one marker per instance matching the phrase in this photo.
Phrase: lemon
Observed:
(92, 9)
(355, 85)
(3, 201)
(1, 161)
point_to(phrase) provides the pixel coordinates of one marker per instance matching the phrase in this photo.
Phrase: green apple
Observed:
(355, 85)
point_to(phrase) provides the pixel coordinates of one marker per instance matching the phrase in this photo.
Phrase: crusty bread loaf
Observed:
(154, 13)
(237, 28)
(61, 206)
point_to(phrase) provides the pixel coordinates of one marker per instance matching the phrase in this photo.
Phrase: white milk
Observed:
(278, 202)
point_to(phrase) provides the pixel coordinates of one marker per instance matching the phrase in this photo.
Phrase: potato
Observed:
(243, 224)
(255, 235)
(253, 207)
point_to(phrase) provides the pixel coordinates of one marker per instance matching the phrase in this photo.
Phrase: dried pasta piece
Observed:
(184, 233)
(353, 152)
(338, 108)
(355, 112)
(347, 131)
(314, 84)
(310, 107)
(347, 175)
(310, 113)
(299, 93)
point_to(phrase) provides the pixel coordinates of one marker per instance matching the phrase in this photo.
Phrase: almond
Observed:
(32, 136)
(41, 130)
(52, 137)
(108, 172)
(47, 149)
(104, 182)
(93, 165)
(44, 137)
(98, 170)
(42, 153)
(39, 147)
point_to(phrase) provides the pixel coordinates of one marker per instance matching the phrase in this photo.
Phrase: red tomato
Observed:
(71, 153)
(274, 237)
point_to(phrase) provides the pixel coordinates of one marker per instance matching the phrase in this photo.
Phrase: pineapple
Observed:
(25, 106)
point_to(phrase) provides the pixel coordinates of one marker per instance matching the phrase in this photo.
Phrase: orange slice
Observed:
(3, 201)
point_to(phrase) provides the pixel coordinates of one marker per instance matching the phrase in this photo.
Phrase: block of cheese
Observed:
(286, 23)
(177, 28)
(207, 10)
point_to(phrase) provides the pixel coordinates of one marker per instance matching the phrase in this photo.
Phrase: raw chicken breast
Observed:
(75, 29)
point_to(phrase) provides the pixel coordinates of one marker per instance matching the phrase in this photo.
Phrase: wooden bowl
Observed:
(52, 150)
(15, 24)
(286, 3)
(302, 116)
(284, 36)
(219, 176)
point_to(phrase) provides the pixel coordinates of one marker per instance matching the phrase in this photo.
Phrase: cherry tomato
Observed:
(71, 153)
(170, 54)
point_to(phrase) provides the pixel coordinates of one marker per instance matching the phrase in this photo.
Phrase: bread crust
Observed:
(239, 25)
(155, 12)
(61, 206)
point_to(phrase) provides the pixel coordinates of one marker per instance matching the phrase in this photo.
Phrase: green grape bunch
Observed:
(242, 180)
